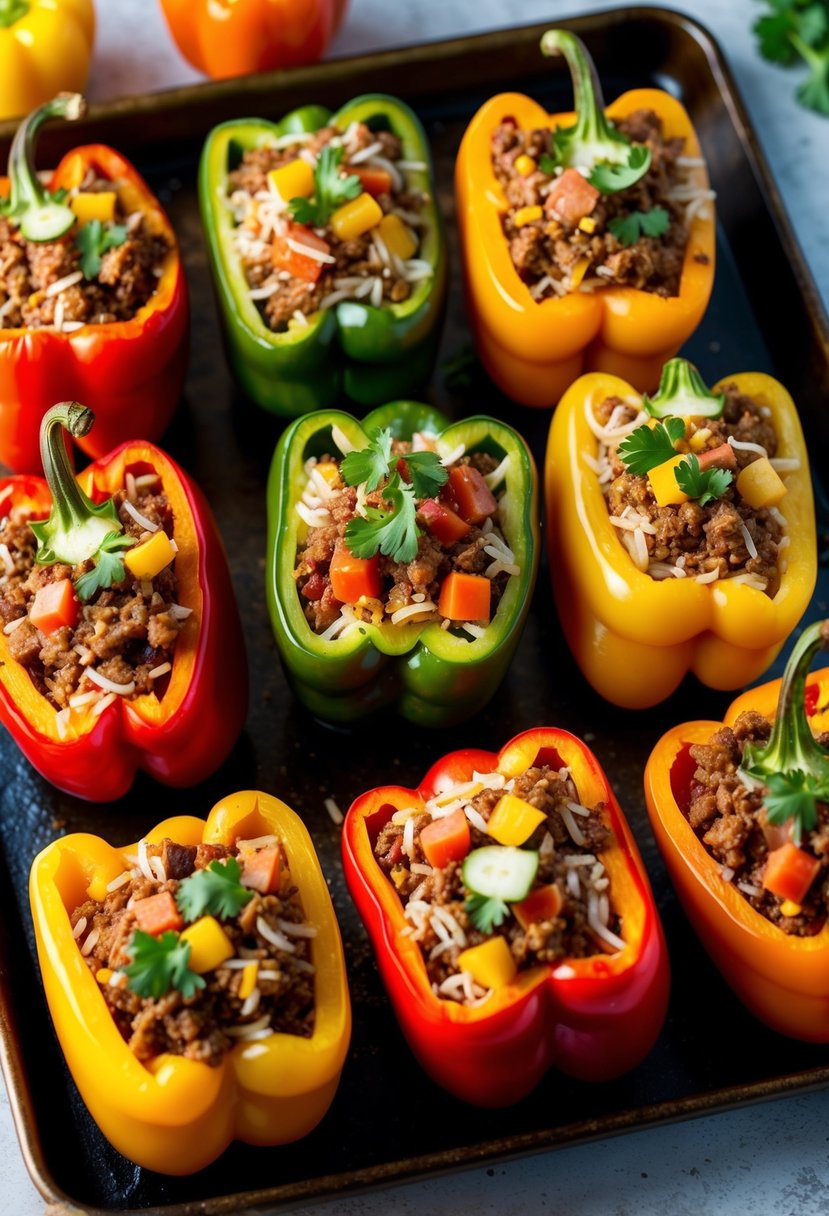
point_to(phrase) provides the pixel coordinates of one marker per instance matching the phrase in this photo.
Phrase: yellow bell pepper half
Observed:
(45, 48)
(176, 1115)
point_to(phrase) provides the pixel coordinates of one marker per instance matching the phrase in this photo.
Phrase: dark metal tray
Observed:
(389, 1122)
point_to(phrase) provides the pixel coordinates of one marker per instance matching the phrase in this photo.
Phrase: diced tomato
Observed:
(260, 870)
(544, 903)
(447, 839)
(157, 914)
(396, 851)
(374, 181)
(444, 524)
(300, 265)
(54, 606)
(721, 457)
(314, 587)
(790, 871)
(473, 497)
(465, 597)
(571, 198)
(354, 577)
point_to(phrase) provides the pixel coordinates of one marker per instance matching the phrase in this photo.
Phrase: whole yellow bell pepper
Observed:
(45, 48)
(635, 637)
(176, 1115)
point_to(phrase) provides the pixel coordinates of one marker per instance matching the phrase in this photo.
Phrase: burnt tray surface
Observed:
(389, 1121)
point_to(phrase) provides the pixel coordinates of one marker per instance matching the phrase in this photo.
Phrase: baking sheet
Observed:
(389, 1121)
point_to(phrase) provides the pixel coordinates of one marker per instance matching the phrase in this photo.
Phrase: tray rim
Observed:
(387, 1174)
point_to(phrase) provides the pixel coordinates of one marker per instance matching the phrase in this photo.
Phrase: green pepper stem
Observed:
(683, 393)
(792, 747)
(12, 11)
(593, 138)
(41, 218)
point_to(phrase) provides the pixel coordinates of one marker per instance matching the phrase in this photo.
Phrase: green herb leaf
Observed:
(795, 796)
(93, 241)
(331, 190)
(393, 533)
(371, 464)
(798, 31)
(647, 446)
(609, 177)
(215, 891)
(704, 485)
(548, 164)
(486, 912)
(109, 565)
(159, 964)
(629, 228)
(427, 473)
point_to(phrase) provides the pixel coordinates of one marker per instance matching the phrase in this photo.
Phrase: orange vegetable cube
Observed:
(157, 913)
(790, 871)
(473, 497)
(295, 251)
(260, 870)
(513, 821)
(447, 839)
(465, 597)
(491, 964)
(374, 181)
(544, 903)
(352, 577)
(571, 198)
(54, 606)
(444, 523)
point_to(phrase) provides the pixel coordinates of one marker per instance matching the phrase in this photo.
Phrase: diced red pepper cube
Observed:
(289, 257)
(444, 523)
(475, 501)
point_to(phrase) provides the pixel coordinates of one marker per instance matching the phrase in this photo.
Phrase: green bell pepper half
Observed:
(369, 354)
(433, 677)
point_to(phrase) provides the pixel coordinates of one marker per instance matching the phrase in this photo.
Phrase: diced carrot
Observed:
(447, 839)
(54, 606)
(260, 870)
(157, 913)
(475, 501)
(374, 181)
(544, 903)
(465, 597)
(790, 871)
(571, 198)
(721, 457)
(444, 523)
(354, 577)
(288, 257)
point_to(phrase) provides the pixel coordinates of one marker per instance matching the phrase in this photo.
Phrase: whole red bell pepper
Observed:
(181, 735)
(131, 372)
(593, 1018)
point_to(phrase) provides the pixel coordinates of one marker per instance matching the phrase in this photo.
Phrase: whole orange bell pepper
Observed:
(235, 37)
(782, 978)
(176, 1115)
(635, 637)
(534, 349)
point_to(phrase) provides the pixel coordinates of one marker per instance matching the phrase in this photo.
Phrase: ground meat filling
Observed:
(569, 843)
(126, 633)
(482, 551)
(730, 820)
(726, 537)
(565, 248)
(206, 1025)
(364, 267)
(43, 284)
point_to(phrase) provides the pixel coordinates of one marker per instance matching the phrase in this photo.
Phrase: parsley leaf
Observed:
(109, 566)
(704, 485)
(797, 30)
(331, 190)
(159, 964)
(548, 164)
(215, 891)
(629, 228)
(93, 240)
(486, 911)
(393, 533)
(426, 472)
(795, 796)
(610, 178)
(647, 446)
(371, 464)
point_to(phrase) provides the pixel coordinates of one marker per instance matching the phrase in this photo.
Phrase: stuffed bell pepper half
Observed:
(741, 813)
(196, 981)
(402, 555)
(93, 299)
(121, 646)
(681, 530)
(587, 238)
(511, 916)
(327, 253)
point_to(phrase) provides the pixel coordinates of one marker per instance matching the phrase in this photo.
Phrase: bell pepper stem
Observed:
(12, 11)
(41, 218)
(593, 138)
(683, 393)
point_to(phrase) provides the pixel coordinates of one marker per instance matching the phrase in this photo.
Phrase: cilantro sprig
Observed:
(331, 190)
(705, 485)
(798, 31)
(93, 240)
(160, 964)
(214, 891)
(109, 565)
(649, 446)
(486, 912)
(628, 229)
(393, 533)
(794, 796)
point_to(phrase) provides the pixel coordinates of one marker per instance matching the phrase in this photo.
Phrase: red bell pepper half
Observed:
(593, 1018)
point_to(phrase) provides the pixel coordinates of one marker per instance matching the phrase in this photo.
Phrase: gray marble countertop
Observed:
(765, 1159)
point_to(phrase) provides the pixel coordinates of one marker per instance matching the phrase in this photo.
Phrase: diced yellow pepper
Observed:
(101, 879)
(699, 438)
(399, 238)
(525, 165)
(790, 908)
(399, 875)
(527, 215)
(513, 821)
(760, 485)
(103, 975)
(248, 981)
(354, 218)
(149, 559)
(209, 944)
(94, 205)
(578, 272)
(663, 483)
(491, 964)
(294, 180)
(587, 224)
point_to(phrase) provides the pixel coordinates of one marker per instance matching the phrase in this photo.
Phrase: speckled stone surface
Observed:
(766, 1159)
